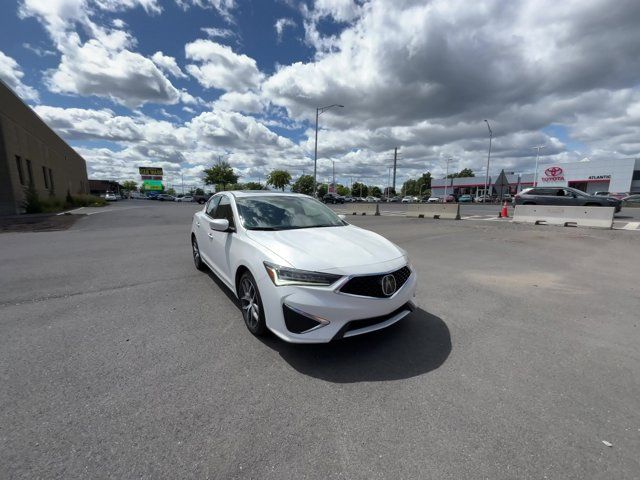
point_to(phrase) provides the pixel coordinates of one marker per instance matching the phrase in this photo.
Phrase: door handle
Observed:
(197, 224)
(210, 235)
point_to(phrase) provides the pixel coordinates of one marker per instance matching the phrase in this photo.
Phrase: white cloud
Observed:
(247, 102)
(223, 7)
(167, 64)
(281, 24)
(220, 67)
(104, 65)
(121, 75)
(12, 74)
(214, 32)
(41, 52)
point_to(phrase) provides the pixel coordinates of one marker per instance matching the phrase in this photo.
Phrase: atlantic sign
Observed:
(553, 174)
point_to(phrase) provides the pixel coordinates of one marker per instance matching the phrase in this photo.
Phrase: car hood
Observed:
(328, 248)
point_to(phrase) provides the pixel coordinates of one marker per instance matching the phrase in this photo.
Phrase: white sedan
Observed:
(298, 269)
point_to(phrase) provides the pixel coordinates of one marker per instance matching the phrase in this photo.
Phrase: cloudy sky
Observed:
(180, 83)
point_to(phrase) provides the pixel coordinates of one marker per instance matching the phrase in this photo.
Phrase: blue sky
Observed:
(179, 83)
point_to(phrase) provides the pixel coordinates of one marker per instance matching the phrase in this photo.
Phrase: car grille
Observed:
(371, 285)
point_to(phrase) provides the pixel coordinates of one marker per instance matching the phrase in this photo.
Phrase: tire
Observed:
(251, 305)
(197, 260)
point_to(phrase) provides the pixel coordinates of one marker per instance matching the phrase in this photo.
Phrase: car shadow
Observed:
(416, 345)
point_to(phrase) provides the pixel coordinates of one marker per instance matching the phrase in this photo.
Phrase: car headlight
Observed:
(292, 276)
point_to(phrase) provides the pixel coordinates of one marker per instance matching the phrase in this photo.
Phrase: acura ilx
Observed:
(300, 270)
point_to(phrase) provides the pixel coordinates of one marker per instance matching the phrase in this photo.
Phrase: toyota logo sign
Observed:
(388, 285)
(553, 171)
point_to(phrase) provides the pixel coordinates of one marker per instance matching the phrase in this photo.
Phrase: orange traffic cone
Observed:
(505, 212)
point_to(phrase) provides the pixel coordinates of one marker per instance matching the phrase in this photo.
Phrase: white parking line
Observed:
(631, 226)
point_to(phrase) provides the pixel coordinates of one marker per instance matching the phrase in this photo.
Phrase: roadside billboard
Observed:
(152, 185)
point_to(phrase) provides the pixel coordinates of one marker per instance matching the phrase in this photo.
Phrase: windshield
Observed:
(271, 212)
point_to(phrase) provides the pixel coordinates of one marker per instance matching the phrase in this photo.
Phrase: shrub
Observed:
(32, 202)
(85, 201)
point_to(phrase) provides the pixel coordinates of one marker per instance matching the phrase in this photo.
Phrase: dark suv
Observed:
(565, 196)
(332, 198)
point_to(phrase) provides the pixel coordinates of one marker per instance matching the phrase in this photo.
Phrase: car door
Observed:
(202, 227)
(218, 244)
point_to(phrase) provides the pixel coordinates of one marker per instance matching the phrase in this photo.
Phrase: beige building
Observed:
(30, 152)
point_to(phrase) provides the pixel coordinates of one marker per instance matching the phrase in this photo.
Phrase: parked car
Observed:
(186, 198)
(407, 199)
(433, 200)
(395, 199)
(332, 198)
(164, 197)
(331, 284)
(465, 199)
(201, 199)
(481, 198)
(349, 199)
(564, 196)
(152, 196)
(110, 197)
(371, 199)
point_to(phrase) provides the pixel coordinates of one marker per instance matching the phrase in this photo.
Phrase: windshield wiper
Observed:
(266, 229)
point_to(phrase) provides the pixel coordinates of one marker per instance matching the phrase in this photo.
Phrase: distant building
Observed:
(100, 187)
(616, 176)
(31, 152)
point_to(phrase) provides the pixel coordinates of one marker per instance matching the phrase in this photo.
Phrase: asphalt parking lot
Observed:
(120, 360)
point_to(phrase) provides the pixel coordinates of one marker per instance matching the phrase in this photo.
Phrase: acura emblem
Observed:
(388, 285)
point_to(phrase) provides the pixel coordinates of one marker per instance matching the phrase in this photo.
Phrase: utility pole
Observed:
(319, 111)
(395, 163)
(535, 175)
(182, 175)
(486, 178)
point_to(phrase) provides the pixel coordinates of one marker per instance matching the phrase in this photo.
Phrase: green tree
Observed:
(198, 191)
(171, 191)
(279, 178)
(465, 172)
(375, 191)
(323, 188)
(130, 185)
(220, 174)
(342, 190)
(304, 184)
(253, 186)
(359, 189)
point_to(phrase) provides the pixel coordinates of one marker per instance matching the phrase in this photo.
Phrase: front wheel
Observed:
(251, 305)
(197, 259)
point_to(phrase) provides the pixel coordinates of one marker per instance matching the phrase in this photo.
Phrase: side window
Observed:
(224, 211)
(212, 204)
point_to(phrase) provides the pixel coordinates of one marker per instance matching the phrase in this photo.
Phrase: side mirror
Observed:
(341, 216)
(219, 224)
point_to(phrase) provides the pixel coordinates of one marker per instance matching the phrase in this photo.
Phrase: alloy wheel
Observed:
(249, 303)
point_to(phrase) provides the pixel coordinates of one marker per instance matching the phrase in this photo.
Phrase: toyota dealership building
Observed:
(590, 176)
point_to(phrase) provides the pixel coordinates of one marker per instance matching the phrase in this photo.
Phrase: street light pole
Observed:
(319, 111)
(335, 190)
(535, 175)
(446, 180)
(486, 178)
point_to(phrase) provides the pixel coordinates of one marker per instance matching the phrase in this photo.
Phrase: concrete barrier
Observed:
(595, 217)
(434, 210)
(362, 209)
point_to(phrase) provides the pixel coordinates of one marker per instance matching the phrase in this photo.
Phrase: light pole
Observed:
(446, 180)
(334, 176)
(486, 178)
(389, 183)
(535, 175)
(319, 111)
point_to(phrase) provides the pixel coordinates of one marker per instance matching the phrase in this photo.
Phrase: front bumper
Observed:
(337, 314)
